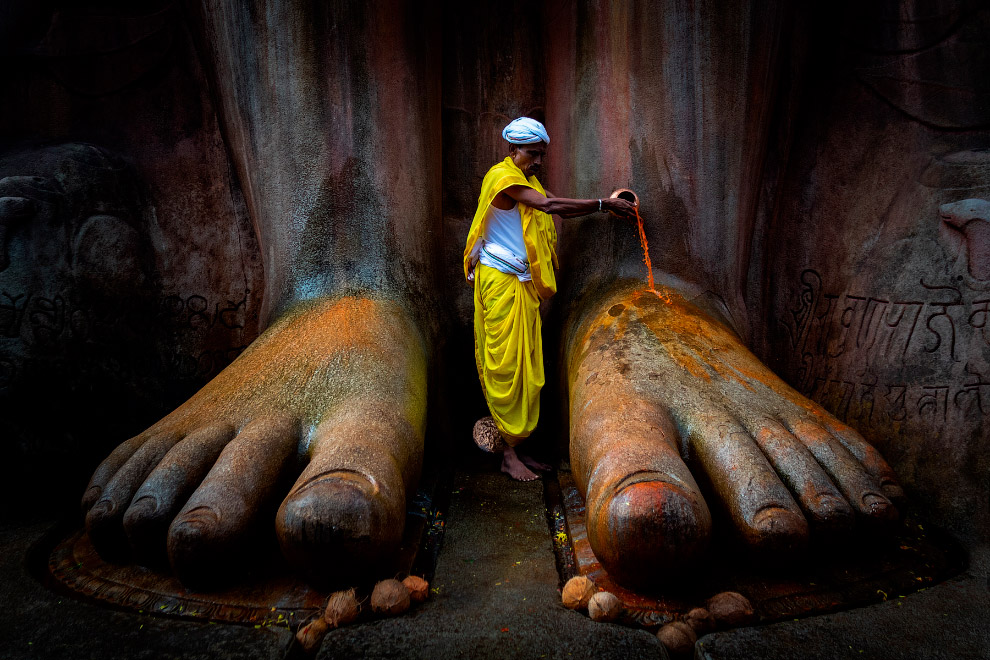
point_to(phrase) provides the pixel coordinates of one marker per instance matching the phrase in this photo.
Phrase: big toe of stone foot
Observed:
(647, 530)
(339, 525)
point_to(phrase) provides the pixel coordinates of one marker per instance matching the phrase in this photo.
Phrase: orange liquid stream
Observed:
(646, 251)
(651, 287)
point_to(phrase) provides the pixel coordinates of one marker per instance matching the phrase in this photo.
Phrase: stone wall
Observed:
(132, 274)
(873, 294)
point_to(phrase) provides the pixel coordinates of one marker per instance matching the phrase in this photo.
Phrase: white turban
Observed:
(525, 131)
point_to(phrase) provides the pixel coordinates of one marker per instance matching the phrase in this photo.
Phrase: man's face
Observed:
(529, 157)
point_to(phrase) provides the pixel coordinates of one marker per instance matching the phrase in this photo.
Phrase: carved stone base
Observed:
(269, 595)
(266, 597)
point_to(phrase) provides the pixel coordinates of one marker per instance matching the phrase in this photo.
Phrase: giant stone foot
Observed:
(335, 388)
(658, 385)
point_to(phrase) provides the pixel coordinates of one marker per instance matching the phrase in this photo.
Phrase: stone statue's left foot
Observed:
(655, 381)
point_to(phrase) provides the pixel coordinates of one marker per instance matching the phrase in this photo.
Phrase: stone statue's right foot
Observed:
(222, 515)
(163, 494)
(198, 487)
(344, 516)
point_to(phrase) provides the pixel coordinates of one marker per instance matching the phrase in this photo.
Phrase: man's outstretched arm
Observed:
(569, 208)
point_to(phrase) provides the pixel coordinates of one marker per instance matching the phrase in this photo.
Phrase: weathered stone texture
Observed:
(814, 184)
(875, 291)
(116, 288)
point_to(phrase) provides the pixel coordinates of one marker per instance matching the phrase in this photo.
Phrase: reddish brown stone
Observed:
(815, 197)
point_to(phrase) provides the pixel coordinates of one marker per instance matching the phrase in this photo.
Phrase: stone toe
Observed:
(338, 523)
(647, 529)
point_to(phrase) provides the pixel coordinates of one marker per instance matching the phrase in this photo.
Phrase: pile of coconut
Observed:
(727, 609)
(388, 598)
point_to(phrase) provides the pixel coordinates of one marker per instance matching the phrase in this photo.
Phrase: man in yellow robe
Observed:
(510, 259)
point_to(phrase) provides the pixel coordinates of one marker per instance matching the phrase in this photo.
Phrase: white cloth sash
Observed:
(503, 260)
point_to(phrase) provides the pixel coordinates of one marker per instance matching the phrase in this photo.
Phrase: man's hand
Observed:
(620, 207)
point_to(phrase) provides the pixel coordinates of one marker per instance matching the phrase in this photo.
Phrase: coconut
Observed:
(418, 588)
(678, 637)
(730, 609)
(577, 592)
(342, 608)
(700, 620)
(311, 635)
(487, 436)
(604, 606)
(390, 597)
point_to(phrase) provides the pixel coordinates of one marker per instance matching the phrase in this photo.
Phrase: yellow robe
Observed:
(508, 345)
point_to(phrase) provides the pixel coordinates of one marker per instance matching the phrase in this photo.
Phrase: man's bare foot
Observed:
(513, 466)
(514, 463)
(532, 463)
(654, 382)
(337, 386)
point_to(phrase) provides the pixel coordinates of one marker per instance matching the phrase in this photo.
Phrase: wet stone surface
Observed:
(945, 621)
(40, 623)
(496, 595)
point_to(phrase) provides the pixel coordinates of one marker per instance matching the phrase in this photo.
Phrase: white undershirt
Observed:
(504, 248)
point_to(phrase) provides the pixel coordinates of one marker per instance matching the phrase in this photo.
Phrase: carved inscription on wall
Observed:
(176, 337)
(875, 359)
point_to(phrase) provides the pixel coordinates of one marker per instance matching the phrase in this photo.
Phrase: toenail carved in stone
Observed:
(202, 517)
(829, 513)
(141, 507)
(778, 529)
(878, 507)
(101, 509)
(646, 527)
(338, 521)
(195, 548)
